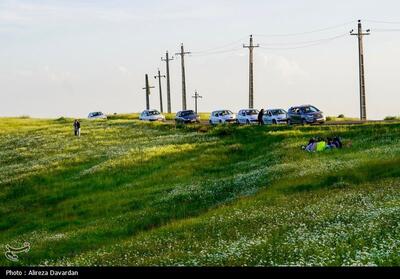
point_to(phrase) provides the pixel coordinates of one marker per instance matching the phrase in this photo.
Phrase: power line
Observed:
(216, 52)
(219, 47)
(382, 22)
(306, 42)
(387, 30)
(307, 45)
(307, 32)
(297, 45)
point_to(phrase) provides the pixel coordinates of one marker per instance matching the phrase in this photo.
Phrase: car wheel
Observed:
(220, 121)
(248, 122)
(289, 122)
(274, 122)
(303, 122)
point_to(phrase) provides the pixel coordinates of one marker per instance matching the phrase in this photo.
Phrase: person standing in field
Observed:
(77, 128)
(260, 117)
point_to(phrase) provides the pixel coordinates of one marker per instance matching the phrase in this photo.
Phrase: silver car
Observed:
(247, 116)
(97, 115)
(151, 115)
(275, 116)
(222, 116)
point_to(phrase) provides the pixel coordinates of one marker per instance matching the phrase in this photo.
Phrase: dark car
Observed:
(305, 114)
(186, 116)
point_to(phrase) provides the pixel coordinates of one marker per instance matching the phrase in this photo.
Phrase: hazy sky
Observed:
(67, 57)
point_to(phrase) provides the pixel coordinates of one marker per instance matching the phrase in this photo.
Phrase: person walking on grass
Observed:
(77, 128)
(260, 117)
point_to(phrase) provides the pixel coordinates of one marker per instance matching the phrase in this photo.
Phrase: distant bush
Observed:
(223, 130)
(203, 129)
(125, 116)
(340, 117)
(62, 119)
(392, 118)
(24, 117)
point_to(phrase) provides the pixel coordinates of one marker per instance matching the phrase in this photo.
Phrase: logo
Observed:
(12, 253)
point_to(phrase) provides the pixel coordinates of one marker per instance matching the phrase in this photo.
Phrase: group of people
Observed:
(319, 144)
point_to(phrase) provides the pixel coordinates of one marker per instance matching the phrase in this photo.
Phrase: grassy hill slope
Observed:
(130, 193)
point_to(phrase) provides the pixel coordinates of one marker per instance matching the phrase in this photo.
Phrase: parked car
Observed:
(186, 116)
(222, 116)
(97, 115)
(247, 116)
(275, 116)
(151, 115)
(305, 114)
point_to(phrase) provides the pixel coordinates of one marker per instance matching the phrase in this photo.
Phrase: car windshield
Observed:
(154, 112)
(278, 111)
(96, 113)
(310, 109)
(225, 112)
(187, 113)
(252, 112)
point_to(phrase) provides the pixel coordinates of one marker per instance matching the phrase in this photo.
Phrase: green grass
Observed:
(132, 193)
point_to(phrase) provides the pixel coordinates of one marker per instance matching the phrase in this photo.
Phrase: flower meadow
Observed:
(128, 193)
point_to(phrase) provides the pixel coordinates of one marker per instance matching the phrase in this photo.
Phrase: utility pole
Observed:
(251, 46)
(167, 59)
(360, 34)
(159, 76)
(147, 88)
(182, 55)
(196, 96)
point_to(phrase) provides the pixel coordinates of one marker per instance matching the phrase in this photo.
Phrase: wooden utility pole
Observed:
(182, 55)
(167, 59)
(159, 76)
(251, 46)
(147, 88)
(360, 34)
(196, 96)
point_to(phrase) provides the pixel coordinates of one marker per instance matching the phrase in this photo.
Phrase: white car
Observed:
(97, 115)
(247, 116)
(151, 115)
(275, 116)
(222, 116)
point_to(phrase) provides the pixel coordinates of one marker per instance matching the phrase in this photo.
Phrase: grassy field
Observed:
(131, 193)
